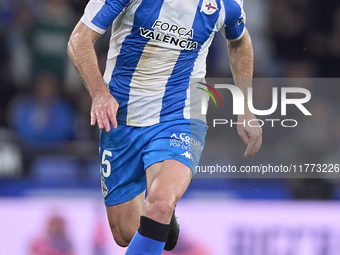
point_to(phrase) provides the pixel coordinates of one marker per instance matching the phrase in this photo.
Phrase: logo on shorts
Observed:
(188, 155)
(187, 143)
(174, 136)
(104, 188)
(209, 7)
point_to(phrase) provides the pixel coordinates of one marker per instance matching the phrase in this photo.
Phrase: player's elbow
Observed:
(75, 45)
(71, 45)
(77, 38)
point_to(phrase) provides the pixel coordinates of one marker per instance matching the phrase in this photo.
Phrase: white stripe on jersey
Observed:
(221, 19)
(155, 67)
(194, 97)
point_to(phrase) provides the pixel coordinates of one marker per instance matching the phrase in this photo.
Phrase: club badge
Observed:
(209, 6)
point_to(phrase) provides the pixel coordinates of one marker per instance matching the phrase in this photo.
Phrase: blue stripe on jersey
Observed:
(130, 53)
(109, 11)
(235, 31)
(178, 83)
(234, 20)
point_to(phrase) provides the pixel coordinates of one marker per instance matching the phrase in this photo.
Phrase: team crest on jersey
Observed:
(104, 188)
(209, 6)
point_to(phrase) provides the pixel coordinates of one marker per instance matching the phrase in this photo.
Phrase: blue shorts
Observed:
(127, 151)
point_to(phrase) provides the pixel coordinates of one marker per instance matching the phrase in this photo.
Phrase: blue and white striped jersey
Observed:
(158, 51)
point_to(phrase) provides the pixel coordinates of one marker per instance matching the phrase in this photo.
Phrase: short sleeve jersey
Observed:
(157, 53)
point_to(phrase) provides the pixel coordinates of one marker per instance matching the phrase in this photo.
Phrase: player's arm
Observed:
(98, 16)
(241, 62)
(83, 56)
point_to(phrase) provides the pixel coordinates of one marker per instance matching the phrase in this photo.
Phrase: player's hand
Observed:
(252, 136)
(103, 111)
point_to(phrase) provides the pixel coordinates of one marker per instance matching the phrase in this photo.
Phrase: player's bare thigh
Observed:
(124, 219)
(166, 183)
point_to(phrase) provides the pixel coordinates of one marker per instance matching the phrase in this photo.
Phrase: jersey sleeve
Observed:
(99, 14)
(235, 22)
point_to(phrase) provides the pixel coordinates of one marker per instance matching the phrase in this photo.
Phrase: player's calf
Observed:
(122, 235)
(124, 219)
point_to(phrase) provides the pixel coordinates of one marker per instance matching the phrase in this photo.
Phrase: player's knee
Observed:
(160, 205)
(122, 234)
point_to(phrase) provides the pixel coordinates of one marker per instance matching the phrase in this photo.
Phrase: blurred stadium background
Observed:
(50, 199)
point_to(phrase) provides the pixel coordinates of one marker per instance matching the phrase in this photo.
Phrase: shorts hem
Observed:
(160, 159)
(120, 200)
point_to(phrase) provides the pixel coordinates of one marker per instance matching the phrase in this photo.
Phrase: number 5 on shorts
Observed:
(107, 172)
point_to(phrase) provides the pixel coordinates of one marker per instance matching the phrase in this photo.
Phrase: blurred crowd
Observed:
(37, 80)
(43, 103)
(306, 36)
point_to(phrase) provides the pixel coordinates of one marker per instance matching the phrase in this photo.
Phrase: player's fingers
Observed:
(250, 147)
(244, 136)
(99, 120)
(93, 118)
(106, 122)
(257, 145)
(112, 117)
(254, 145)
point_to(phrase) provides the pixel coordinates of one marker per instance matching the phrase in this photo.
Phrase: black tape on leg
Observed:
(153, 229)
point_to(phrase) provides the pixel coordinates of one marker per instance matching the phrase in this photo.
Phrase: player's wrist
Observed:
(98, 93)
